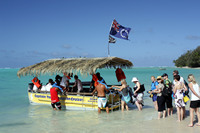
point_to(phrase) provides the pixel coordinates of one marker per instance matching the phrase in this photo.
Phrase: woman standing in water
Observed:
(138, 93)
(179, 88)
(160, 97)
(195, 99)
(125, 94)
(153, 87)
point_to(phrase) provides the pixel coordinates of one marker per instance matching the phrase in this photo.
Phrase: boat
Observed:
(162, 68)
(86, 66)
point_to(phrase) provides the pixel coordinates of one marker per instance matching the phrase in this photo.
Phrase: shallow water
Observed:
(17, 115)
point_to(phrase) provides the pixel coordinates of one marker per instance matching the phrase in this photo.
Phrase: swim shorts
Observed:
(58, 104)
(195, 104)
(140, 97)
(102, 102)
(154, 98)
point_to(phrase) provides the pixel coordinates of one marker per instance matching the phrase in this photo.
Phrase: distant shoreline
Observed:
(190, 67)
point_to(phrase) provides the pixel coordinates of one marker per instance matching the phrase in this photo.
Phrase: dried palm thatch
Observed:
(73, 65)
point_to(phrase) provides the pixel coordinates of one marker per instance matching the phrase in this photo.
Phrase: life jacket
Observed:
(36, 82)
(95, 79)
(120, 74)
(68, 77)
(54, 95)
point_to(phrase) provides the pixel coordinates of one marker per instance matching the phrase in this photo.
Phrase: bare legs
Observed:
(123, 103)
(139, 106)
(159, 114)
(198, 116)
(192, 116)
(107, 110)
(155, 105)
(169, 111)
(99, 110)
(180, 113)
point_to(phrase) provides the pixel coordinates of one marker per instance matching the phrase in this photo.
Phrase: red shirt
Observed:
(54, 95)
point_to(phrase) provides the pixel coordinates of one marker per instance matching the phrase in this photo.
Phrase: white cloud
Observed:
(67, 46)
(192, 37)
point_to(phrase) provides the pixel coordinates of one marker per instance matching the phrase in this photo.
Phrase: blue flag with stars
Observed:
(119, 31)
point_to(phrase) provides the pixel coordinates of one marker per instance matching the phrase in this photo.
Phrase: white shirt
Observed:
(196, 89)
(64, 81)
(48, 87)
(79, 84)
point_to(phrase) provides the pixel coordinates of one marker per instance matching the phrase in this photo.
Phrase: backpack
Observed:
(131, 93)
(141, 90)
(167, 91)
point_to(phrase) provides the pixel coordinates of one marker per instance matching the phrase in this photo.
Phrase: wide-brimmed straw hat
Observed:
(159, 77)
(134, 79)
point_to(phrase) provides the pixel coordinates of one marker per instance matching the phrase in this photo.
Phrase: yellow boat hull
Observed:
(73, 102)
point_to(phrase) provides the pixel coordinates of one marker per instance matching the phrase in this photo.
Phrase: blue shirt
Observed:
(153, 85)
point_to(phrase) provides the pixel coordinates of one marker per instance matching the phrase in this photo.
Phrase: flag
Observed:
(119, 31)
(111, 39)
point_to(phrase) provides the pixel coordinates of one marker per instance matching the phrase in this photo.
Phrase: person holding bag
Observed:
(160, 98)
(138, 93)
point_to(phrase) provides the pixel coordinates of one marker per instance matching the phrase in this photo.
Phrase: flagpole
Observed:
(108, 50)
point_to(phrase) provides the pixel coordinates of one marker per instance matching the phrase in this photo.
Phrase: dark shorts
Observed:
(169, 101)
(154, 98)
(57, 104)
(161, 103)
(195, 104)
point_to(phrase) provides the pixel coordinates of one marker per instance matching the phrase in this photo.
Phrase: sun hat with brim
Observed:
(134, 79)
(159, 77)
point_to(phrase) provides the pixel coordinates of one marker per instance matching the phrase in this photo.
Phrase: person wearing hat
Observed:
(160, 97)
(168, 98)
(138, 93)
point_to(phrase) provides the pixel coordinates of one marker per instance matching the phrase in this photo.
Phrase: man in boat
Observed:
(77, 85)
(95, 78)
(65, 81)
(102, 101)
(54, 98)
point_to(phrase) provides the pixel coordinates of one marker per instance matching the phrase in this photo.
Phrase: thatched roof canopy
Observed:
(83, 65)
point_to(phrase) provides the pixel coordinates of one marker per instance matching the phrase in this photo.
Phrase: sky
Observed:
(32, 31)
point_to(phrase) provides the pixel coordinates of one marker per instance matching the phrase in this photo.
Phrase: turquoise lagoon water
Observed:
(17, 115)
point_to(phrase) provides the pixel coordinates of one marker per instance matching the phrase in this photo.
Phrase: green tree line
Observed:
(190, 59)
